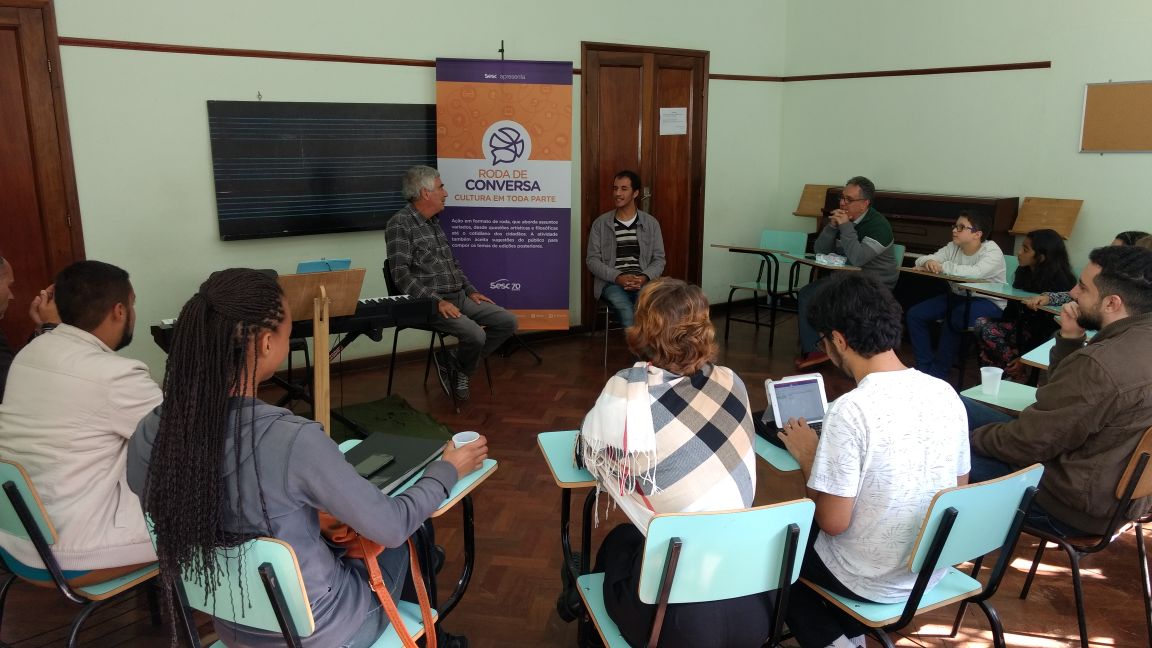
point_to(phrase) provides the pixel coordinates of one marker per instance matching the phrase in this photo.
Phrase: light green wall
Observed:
(139, 128)
(1003, 133)
(140, 136)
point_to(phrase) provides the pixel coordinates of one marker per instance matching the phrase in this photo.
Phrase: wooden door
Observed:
(624, 88)
(39, 219)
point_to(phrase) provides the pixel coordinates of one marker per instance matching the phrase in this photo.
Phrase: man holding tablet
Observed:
(886, 448)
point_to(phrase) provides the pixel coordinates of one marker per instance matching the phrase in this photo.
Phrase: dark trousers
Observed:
(731, 623)
(480, 329)
(989, 468)
(952, 309)
(814, 621)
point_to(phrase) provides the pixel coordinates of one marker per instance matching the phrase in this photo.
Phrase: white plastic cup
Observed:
(990, 380)
(464, 438)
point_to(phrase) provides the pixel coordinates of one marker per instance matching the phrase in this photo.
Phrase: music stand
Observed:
(322, 295)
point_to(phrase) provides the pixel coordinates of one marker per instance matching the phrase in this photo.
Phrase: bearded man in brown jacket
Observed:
(1096, 405)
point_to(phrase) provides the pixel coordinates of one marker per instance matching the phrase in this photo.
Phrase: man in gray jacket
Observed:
(1095, 407)
(625, 249)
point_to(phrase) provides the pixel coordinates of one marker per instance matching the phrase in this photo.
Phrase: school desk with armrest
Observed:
(460, 493)
(1012, 396)
(559, 450)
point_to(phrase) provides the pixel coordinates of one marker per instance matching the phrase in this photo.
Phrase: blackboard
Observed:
(290, 168)
(1117, 117)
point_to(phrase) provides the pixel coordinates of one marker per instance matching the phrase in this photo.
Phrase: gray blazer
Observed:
(601, 259)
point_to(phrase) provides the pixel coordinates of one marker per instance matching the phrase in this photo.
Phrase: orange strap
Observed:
(376, 582)
(358, 546)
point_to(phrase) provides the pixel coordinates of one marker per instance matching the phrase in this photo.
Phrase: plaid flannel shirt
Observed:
(421, 259)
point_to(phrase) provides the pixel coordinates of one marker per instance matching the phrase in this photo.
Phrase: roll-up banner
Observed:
(504, 149)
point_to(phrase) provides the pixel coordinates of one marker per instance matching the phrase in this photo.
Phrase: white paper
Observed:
(673, 121)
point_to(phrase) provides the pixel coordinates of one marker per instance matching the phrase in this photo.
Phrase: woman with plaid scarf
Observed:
(672, 434)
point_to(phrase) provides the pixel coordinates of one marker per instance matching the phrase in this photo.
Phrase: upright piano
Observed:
(923, 222)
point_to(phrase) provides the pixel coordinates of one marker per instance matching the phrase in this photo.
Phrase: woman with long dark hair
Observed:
(1044, 267)
(1059, 298)
(215, 466)
(673, 433)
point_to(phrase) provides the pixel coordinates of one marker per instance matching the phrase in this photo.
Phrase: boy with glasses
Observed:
(971, 256)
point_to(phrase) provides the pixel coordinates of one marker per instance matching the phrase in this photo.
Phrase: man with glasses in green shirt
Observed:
(857, 231)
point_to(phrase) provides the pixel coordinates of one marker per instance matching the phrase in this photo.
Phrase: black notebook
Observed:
(410, 456)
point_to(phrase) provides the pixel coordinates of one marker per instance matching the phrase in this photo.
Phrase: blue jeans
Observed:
(951, 309)
(623, 303)
(808, 335)
(987, 468)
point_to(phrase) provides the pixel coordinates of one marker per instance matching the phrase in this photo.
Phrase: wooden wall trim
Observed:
(745, 77)
(964, 69)
(380, 60)
(247, 53)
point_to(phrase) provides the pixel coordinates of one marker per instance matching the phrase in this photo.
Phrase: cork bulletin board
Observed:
(1117, 118)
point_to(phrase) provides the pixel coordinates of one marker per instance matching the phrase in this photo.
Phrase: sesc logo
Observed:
(504, 284)
(506, 142)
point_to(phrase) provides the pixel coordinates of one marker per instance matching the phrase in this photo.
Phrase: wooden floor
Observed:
(511, 601)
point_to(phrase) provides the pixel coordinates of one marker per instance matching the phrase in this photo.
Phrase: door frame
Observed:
(588, 153)
(53, 166)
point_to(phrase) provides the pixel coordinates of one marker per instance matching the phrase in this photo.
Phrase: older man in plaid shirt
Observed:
(423, 266)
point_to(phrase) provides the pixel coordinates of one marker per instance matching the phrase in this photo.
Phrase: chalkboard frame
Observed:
(300, 168)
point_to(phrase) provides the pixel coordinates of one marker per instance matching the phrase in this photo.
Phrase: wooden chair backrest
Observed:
(1144, 486)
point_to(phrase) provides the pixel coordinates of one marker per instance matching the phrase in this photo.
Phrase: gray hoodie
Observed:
(302, 471)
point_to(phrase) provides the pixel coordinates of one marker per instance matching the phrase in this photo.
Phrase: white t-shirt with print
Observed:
(892, 443)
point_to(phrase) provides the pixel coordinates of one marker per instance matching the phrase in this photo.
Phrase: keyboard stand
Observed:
(301, 391)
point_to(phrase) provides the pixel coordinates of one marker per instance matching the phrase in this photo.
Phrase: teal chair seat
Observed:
(955, 585)
(963, 524)
(768, 279)
(898, 251)
(697, 557)
(592, 591)
(269, 565)
(22, 516)
(1011, 263)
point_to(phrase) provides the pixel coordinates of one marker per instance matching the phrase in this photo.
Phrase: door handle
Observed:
(646, 199)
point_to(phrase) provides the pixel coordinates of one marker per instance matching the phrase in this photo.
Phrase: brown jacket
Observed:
(1085, 423)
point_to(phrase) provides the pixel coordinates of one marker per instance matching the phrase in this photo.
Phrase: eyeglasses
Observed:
(960, 228)
(846, 199)
(821, 340)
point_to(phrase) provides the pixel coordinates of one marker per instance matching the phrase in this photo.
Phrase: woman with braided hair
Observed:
(215, 466)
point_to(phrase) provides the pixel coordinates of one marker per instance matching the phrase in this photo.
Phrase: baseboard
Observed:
(369, 363)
